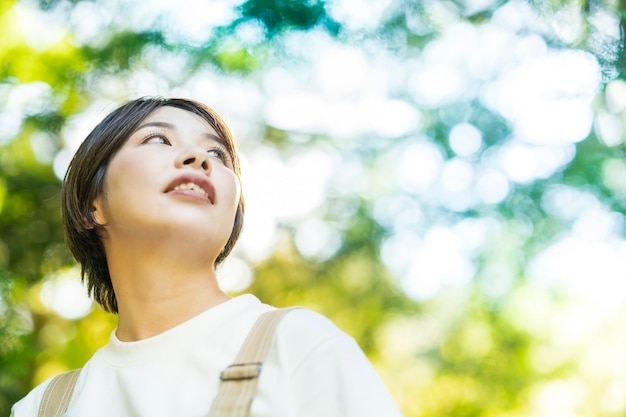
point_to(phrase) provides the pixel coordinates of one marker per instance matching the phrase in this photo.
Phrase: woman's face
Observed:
(173, 174)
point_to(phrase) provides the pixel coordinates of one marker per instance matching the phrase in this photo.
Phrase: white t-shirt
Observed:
(312, 370)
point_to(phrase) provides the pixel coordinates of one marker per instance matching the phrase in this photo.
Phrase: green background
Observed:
(493, 333)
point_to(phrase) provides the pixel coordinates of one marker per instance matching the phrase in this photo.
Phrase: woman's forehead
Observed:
(176, 117)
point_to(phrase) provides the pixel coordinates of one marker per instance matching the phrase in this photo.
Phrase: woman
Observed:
(151, 204)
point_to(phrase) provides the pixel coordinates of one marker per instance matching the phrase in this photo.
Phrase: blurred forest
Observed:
(446, 180)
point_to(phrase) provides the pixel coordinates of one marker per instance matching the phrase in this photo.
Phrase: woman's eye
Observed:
(219, 154)
(158, 139)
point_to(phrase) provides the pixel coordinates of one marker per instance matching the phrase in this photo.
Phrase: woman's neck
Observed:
(141, 320)
(159, 288)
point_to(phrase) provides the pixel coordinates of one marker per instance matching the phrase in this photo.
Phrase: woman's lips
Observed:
(194, 186)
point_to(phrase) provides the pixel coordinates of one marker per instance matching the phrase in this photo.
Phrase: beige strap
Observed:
(236, 391)
(239, 380)
(57, 395)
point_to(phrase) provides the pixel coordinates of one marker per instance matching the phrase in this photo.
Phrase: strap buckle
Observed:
(241, 371)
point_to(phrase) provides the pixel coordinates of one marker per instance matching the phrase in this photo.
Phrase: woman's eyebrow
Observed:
(166, 125)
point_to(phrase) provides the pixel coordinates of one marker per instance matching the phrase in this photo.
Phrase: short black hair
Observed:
(84, 181)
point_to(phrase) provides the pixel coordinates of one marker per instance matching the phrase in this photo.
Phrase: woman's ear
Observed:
(97, 213)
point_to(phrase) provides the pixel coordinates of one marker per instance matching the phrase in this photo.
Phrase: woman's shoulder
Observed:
(328, 369)
(304, 333)
(29, 405)
(307, 323)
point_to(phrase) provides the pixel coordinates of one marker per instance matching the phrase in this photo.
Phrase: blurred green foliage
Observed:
(480, 349)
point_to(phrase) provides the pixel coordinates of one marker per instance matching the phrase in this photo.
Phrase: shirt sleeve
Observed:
(29, 405)
(332, 377)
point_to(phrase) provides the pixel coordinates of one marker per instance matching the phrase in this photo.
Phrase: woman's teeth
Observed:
(191, 186)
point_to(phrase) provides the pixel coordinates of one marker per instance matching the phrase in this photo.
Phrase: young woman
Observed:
(151, 204)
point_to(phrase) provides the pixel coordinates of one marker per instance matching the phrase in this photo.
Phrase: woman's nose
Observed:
(195, 158)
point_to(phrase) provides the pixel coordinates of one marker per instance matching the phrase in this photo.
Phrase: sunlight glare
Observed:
(418, 166)
(438, 262)
(10, 124)
(317, 239)
(75, 131)
(342, 119)
(388, 118)
(258, 236)
(298, 111)
(41, 30)
(340, 71)
(568, 203)
(66, 295)
(398, 212)
(441, 259)
(558, 398)
(358, 14)
(90, 21)
(281, 190)
(545, 104)
(567, 23)
(492, 186)
(606, 24)
(43, 146)
(436, 85)
(234, 275)
(192, 23)
(397, 250)
(457, 175)
(609, 129)
(615, 96)
(588, 269)
(28, 98)
(524, 163)
(465, 139)
(614, 175)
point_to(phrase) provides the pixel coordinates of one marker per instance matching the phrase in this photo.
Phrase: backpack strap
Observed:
(57, 395)
(236, 391)
(239, 380)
